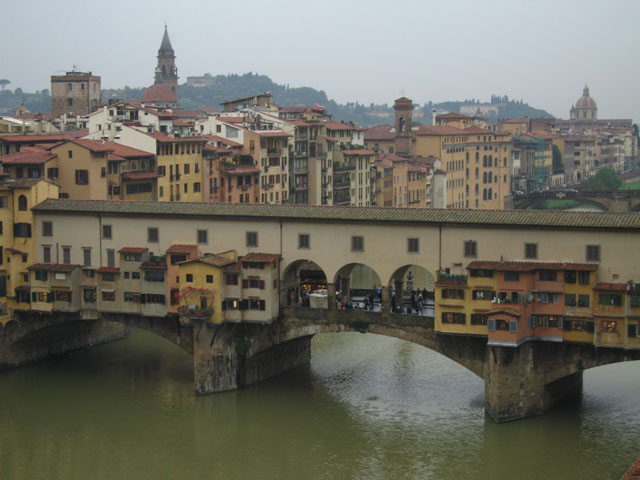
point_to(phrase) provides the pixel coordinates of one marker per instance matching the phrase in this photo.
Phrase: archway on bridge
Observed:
(304, 283)
(357, 286)
(411, 290)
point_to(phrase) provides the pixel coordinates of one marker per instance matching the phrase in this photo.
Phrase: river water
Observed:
(367, 407)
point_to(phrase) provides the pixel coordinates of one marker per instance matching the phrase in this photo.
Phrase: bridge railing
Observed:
(358, 317)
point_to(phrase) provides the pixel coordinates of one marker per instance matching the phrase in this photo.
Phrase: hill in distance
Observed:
(227, 87)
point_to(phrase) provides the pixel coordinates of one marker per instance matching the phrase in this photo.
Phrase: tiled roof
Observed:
(260, 257)
(333, 125)
(525, 218)
(214, 260)
(240, 170)
(27, 157)
(96, 146)
(153, 266)
(127, 152)
(108, 270)
(224, 141)
(617, 287)
(52, 138)
(53, 267)
(181, 248)
(21, 182)
(133, 250)
(271, 133)
(159, 93)
(529, 266)
(453, 115)
(380, 132)
(358, 152)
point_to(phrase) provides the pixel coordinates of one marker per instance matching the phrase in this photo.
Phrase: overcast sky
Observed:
(541, 51)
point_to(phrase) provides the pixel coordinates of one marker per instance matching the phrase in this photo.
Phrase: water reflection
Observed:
(367, 407)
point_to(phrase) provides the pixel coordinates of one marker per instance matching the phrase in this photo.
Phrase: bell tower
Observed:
(404, 110)
(166, 71)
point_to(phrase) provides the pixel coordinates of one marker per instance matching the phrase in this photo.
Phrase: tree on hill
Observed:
(605, 179)
(4, 82)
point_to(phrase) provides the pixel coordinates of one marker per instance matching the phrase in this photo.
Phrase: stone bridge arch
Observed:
(299, 276)
(411, 278)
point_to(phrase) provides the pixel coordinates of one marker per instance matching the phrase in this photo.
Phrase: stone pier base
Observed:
(224, 359)
(522, 382)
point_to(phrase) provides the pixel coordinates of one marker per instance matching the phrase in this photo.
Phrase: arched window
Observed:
(484, 194)
(484, 177)
(22, 203)
(477, 157)
(467, 157)
(477, 173)
(477, 189)
(467, 174)
(489, 177)
(484, 161)
(490, 194)
(490, 162)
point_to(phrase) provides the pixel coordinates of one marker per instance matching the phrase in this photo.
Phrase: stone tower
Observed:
(166, 71)
(404, 110)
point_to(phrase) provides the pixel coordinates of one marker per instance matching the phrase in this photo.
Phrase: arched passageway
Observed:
(304, 283)
(356, 285)
(411, 290)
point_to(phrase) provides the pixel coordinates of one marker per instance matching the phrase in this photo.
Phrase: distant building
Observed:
(164, 91)
(204, 81)
(585, 108)
(76, 93)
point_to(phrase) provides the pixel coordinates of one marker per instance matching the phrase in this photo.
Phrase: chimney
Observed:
(433, 116)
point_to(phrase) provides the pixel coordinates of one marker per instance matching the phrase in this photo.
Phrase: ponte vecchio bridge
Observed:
(520, 380)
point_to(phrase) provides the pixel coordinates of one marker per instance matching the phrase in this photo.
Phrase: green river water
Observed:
(367, 407)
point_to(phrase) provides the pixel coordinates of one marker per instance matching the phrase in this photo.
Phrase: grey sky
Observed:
(367, 51)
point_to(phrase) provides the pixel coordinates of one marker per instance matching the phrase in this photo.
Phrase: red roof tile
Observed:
(108, 270)
(271, 133)
(358, 152)
(214, 260)
(380, 132)
(27, 157)
(133, 250)
(159, 93)
(528, 266)
(616, 287)
(182, 248)
(260, 257)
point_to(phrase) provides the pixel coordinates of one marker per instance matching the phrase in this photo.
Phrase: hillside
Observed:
(235, 86)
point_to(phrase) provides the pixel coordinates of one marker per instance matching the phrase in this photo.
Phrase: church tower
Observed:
(404, 134)
(166, 71)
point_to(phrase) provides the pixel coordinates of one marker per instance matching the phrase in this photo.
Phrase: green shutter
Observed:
(49, 297)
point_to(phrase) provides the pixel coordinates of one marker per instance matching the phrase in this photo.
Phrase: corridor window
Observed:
(304, 241)
(470, 248)
(152, 235)
(203, 237)
(357, 243)
(413, 245)
(252, 239)
(593, 253)
(531, 250)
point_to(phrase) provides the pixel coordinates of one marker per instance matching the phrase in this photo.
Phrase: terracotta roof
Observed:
(380, 132)
(53, 267)
(240, 171)
(529, 266)
(21, 183)
(224, 141)
(304, 123)
(97, 146)
(543, 219)
(27, 157)
(213, 260)
(182, 248)
(260, 257)
(271, 133)
(453, 115)
(232, 119)
(220, 150)
(617, 287)
(52, 138)
(358, 152)
(133, 250)
(159, 93)
(183, 123)
(108, 270)
(435, 130)
(140, 175)
(333, 125)
(153, 266)
(127, 152)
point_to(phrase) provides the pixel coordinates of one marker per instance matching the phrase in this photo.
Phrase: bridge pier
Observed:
(232, 356)
(525, 381)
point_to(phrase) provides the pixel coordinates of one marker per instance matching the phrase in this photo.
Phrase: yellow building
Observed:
(82, 168)
(477, 162)
(17, 245)
(179, 168)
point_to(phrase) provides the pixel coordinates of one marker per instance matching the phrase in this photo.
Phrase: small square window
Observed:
(152, 235)
(209, 278)
(357, 243)
(593, 253)
(304, 241)
(413, 245)
(531, 250)
(470, 248)
(189, 277)
(252, 239)
(203, 236)
(106, 232)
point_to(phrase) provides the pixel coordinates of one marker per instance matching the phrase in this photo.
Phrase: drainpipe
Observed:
(440, 247)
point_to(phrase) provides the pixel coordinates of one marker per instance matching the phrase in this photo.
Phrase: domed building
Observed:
(585, 108)
(160, 95)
